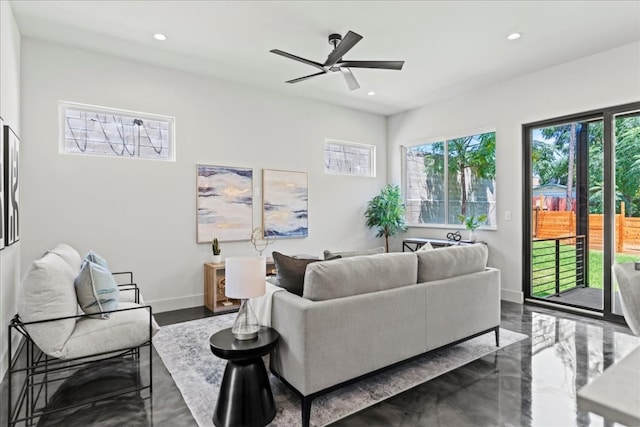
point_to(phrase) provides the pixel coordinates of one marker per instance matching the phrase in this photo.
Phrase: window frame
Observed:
(372, 157)
(444, 139)
(63, 106)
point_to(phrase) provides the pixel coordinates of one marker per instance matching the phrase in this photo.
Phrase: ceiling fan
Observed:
(335, 62)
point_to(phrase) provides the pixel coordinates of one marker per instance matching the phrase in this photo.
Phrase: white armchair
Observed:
(628, 279)
(58, 337)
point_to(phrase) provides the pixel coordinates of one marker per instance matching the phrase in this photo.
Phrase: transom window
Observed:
(103, 131)
(449, 178)
(349, 158)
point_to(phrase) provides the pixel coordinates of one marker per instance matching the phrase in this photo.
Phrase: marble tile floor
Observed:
(530, 383)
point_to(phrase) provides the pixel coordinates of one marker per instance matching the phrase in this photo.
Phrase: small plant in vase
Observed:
(472, 223)
(215, 248)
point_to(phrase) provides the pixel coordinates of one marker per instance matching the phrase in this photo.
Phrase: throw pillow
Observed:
(426, 247)
(47, 292)
(328, 254)
(70, 255)
(96, 290)
(96, 259)
(451, 261)
(291, 272)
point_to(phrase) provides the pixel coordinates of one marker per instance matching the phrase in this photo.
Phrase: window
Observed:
(349, 158)
(103, 131)
(448, 178)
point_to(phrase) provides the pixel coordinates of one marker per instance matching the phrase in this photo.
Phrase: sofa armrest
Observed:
(119, 274)
(133, 324)
(129, 292)
(17, 322)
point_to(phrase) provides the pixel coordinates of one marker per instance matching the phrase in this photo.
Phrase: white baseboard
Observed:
(170, 304)
(512, 296)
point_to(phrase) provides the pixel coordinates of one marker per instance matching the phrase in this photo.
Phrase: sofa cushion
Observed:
(451, 261)
(70, 255)
(359, 275)
(47, 292)
(96, 290)
(331, 255)
(125, 329)
(291, 272)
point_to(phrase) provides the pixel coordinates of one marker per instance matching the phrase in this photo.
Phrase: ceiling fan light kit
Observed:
(335, 62)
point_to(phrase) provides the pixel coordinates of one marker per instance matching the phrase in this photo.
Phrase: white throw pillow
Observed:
(47, 292)
(426, 247)
(70, 255)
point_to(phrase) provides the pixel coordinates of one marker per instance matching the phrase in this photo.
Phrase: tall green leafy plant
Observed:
(386, 211)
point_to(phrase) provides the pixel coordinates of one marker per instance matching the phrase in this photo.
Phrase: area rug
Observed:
(184, 349)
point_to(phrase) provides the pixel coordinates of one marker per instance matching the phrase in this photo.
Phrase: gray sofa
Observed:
(362, 314)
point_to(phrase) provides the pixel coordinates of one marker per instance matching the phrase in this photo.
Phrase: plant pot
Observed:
(472, 235)
(216, 259)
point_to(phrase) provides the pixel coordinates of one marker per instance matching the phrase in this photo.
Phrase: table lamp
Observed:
(245, 278)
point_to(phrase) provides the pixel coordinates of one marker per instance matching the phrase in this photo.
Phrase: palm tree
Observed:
(475, 155)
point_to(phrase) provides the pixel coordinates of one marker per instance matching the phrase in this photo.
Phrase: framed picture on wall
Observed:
(224, 203)
(285, 204)
(11, 186)
(1, 184)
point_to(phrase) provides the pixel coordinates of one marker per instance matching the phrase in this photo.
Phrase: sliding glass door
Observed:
(626, 227)
(582, 199)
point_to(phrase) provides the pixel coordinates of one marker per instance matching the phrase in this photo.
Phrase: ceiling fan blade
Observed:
(297, 58)
(349, 41)
(386, 65)
(350, 79)
(300, 79)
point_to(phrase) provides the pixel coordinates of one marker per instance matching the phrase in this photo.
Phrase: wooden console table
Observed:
(417, 243)
(214, 297)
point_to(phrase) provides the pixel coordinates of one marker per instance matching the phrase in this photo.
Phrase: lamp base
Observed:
(246, 326)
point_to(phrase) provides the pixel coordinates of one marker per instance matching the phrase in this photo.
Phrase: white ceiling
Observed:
(449, 47)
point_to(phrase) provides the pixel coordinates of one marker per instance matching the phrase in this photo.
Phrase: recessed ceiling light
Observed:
(159, 36)
(514, 36)
(371, 93)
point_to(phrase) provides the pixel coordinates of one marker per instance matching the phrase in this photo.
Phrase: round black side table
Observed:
(245, 398)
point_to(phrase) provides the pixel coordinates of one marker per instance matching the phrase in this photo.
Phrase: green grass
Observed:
(544, 259)
(595, 266)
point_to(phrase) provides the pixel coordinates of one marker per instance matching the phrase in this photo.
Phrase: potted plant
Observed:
(472, 223)
(215, 248)
(386, 211)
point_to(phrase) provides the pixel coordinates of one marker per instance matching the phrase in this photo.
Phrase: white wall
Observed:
(606, 79)
(140, 215)
(10, 113)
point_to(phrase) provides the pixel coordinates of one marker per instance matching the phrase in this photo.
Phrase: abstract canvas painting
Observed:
(285, 204)
(1, 184)
(11, 186)
(225, 203)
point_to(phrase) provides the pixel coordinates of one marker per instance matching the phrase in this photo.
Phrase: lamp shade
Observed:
(245, 277)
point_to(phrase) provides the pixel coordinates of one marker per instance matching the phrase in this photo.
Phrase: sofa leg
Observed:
(306, 410)
(497, 329)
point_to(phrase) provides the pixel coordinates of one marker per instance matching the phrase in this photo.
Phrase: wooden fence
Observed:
(548, 224)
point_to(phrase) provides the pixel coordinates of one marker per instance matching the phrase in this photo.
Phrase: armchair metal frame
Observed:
(40, 370)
